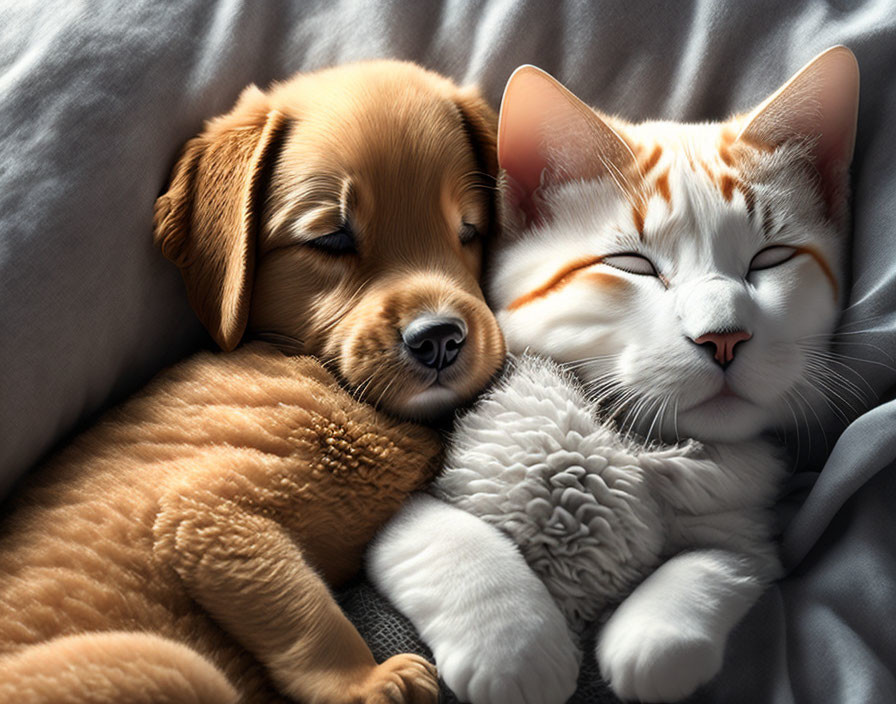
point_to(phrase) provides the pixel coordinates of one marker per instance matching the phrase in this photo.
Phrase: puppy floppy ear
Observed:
(207, 221)
(481, 123)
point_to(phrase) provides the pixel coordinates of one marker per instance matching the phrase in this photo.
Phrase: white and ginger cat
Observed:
(690, 275)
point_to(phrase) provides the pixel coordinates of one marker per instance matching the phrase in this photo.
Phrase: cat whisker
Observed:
(829, 395)
(617, 405)
(853, 358)
(669, 407)
(864, 360)
(802, 409)
(577, 364)
(821, 362)
(602, 387)
(823, 369)
(825, 382)
(675, 422)
(658, 418)
(645, 402)
(861, 321)
(854, 343)
(796, 425)
(636, 402)
(636, 405)
(803, 406)
(604, 380)
(825, 373)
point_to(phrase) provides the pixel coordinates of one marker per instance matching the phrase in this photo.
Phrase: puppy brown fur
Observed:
(182, 549)
(399, 157)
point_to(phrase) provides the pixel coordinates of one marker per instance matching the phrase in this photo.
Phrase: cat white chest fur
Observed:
(592, 512)
(690, 277)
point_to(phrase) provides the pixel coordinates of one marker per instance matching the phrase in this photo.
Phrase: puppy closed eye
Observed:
(468, 233)
(338, 243)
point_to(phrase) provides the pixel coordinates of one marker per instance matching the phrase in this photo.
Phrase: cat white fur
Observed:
(592, 514)
(680, 534)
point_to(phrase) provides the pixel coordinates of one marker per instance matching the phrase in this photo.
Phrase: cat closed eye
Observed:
(631, 263)
(336, 243)
(772, 256)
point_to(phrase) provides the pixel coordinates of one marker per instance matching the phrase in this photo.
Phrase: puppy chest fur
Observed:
(254, 432)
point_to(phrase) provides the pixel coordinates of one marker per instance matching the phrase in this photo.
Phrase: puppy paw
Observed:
(660, 662)
(532, 666)
(402, 679)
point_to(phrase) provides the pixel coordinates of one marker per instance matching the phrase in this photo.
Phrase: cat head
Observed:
(690, 273)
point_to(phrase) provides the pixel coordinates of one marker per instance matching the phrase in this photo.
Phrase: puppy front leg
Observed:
(252, 578)
(496, 632)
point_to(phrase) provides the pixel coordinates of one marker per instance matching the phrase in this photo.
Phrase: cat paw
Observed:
(521, 670)
(402, 679)
(659, 663)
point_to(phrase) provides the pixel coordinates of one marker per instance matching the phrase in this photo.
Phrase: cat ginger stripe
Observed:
(823, 264)
(561, 278)
(651, 161)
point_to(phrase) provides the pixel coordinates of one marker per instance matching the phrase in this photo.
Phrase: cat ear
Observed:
(547, 135)
(820, 102)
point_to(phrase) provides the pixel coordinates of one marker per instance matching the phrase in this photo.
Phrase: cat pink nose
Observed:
(724, 342)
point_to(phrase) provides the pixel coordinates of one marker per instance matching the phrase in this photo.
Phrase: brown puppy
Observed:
(370, 244)
(181, 550)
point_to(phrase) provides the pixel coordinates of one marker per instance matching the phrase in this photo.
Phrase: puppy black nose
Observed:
(435, 341)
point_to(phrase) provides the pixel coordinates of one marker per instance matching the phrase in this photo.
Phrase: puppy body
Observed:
(241, 481)
(182, 549)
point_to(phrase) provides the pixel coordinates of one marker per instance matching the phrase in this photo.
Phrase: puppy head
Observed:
(342, 214)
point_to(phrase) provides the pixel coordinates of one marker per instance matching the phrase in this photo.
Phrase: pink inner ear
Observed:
(840, 105)
(521, 197)
(821, 101)
(546, 134)
(520, 137)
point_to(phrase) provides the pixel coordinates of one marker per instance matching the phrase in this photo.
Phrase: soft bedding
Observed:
(97, 97)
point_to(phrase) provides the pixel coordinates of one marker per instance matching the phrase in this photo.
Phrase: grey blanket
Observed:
(96, 97)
